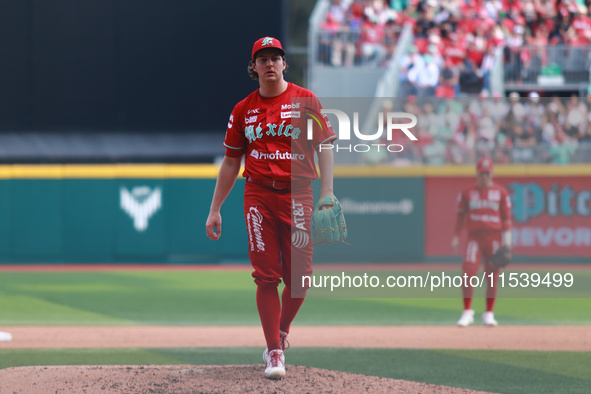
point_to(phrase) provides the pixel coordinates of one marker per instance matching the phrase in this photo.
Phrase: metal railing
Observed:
(547, 65)
(314, 26)
(348, 47)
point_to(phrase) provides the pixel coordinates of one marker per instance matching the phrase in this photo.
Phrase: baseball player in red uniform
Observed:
(485, 208)
(278, 203)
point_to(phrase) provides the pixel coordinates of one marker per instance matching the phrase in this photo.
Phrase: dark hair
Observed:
(253, 73)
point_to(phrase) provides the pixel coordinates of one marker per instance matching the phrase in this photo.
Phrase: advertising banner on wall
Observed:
(551, 215)
(384, 220)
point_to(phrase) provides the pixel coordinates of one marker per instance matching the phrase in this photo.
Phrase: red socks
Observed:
(467, 303)
(274, 314)
(269, 311)
(289, 309)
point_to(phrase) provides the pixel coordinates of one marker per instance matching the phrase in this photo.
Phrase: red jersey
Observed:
(484, 209)
(272, 132)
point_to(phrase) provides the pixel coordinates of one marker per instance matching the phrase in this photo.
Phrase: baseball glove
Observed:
(502, 257)
(328, 225)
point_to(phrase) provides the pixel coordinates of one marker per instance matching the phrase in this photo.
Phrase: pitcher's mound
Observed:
(199, 379)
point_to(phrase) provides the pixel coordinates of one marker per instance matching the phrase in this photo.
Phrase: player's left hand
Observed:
(328, 196)
(213, 225)
(328, 222)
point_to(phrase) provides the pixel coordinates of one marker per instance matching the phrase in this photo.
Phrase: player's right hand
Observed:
(455, 241)
(213, 226)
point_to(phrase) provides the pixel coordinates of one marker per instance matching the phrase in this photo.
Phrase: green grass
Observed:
(227, 298)
(495, 371)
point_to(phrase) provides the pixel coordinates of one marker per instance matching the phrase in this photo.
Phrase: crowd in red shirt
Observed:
(459, 36)
(516, 129)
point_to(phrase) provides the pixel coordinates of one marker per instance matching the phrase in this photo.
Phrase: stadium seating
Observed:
(541, 45)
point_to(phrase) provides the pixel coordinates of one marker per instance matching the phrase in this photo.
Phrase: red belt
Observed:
(279, 185)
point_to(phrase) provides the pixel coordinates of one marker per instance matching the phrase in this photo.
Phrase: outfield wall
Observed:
(156, 213)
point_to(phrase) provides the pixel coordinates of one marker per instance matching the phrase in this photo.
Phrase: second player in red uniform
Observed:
(485, 210)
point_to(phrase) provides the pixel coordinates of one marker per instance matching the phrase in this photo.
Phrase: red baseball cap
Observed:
(265, 43)
(484, 165)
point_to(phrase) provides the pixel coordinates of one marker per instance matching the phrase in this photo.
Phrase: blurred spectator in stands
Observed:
(555, 149)
(585, 139)
(425, 78)
(425, 20)
(337, 11)
(513, 53)
(399, 5)
(326, 36)
(516, 109)
(409, 61)
(411, 106)
(428, 120)
(555, 108)
(392, 31)
(486, 67)
(373, 51)
(503, 147)
(584, 148)
(455, 129)
(435, 50)
(454, 49)
(534, 110)
(477, 45)
(538, 56)
(476, 107)
(546, 9)
(563, 153)
(464, 126)
(581, 23)
(549, 136)
(530, 15)
(470, 78)
(524, 142)
(435, 152)
(447, 82)
(379, 11)
(497, 108)
(343, 47)
(575, 123)
(485, 139)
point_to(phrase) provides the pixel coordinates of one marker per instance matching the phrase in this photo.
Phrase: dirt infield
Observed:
(201, 379)
(565, 338)
(249, 378)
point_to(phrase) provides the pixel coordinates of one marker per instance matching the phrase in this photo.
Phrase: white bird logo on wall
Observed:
(141, 204)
